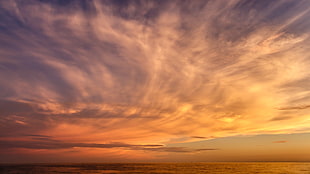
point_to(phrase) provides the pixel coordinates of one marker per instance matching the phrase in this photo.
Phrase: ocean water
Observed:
(160, 168)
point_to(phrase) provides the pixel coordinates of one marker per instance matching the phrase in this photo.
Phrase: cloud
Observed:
(199, 137)
(36, 136)
(42, 142)
(295, 107)
(54, 144)
(151, 72)
(177, 149)
(279, 118)
(14, 107)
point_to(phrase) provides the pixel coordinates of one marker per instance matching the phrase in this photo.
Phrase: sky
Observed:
(154, 81)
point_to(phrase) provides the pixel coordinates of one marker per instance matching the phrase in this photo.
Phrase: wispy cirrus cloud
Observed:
(153, 72)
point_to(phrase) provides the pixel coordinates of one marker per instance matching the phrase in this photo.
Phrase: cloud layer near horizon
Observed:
(144, 72)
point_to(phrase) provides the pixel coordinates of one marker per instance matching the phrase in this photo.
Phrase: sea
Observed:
(160, 168)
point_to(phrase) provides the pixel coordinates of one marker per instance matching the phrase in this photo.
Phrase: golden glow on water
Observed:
(184, 168)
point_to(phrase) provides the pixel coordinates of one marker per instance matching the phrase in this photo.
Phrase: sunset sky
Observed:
(154, 81)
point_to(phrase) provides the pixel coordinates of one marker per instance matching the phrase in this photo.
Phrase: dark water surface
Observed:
(194, 168)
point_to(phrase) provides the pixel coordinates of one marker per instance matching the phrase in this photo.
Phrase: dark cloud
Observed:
(49, 143)
(280, 118)
(178, 149)
(295, 107)
(199, 137)
(8, 107)
(36, 136)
